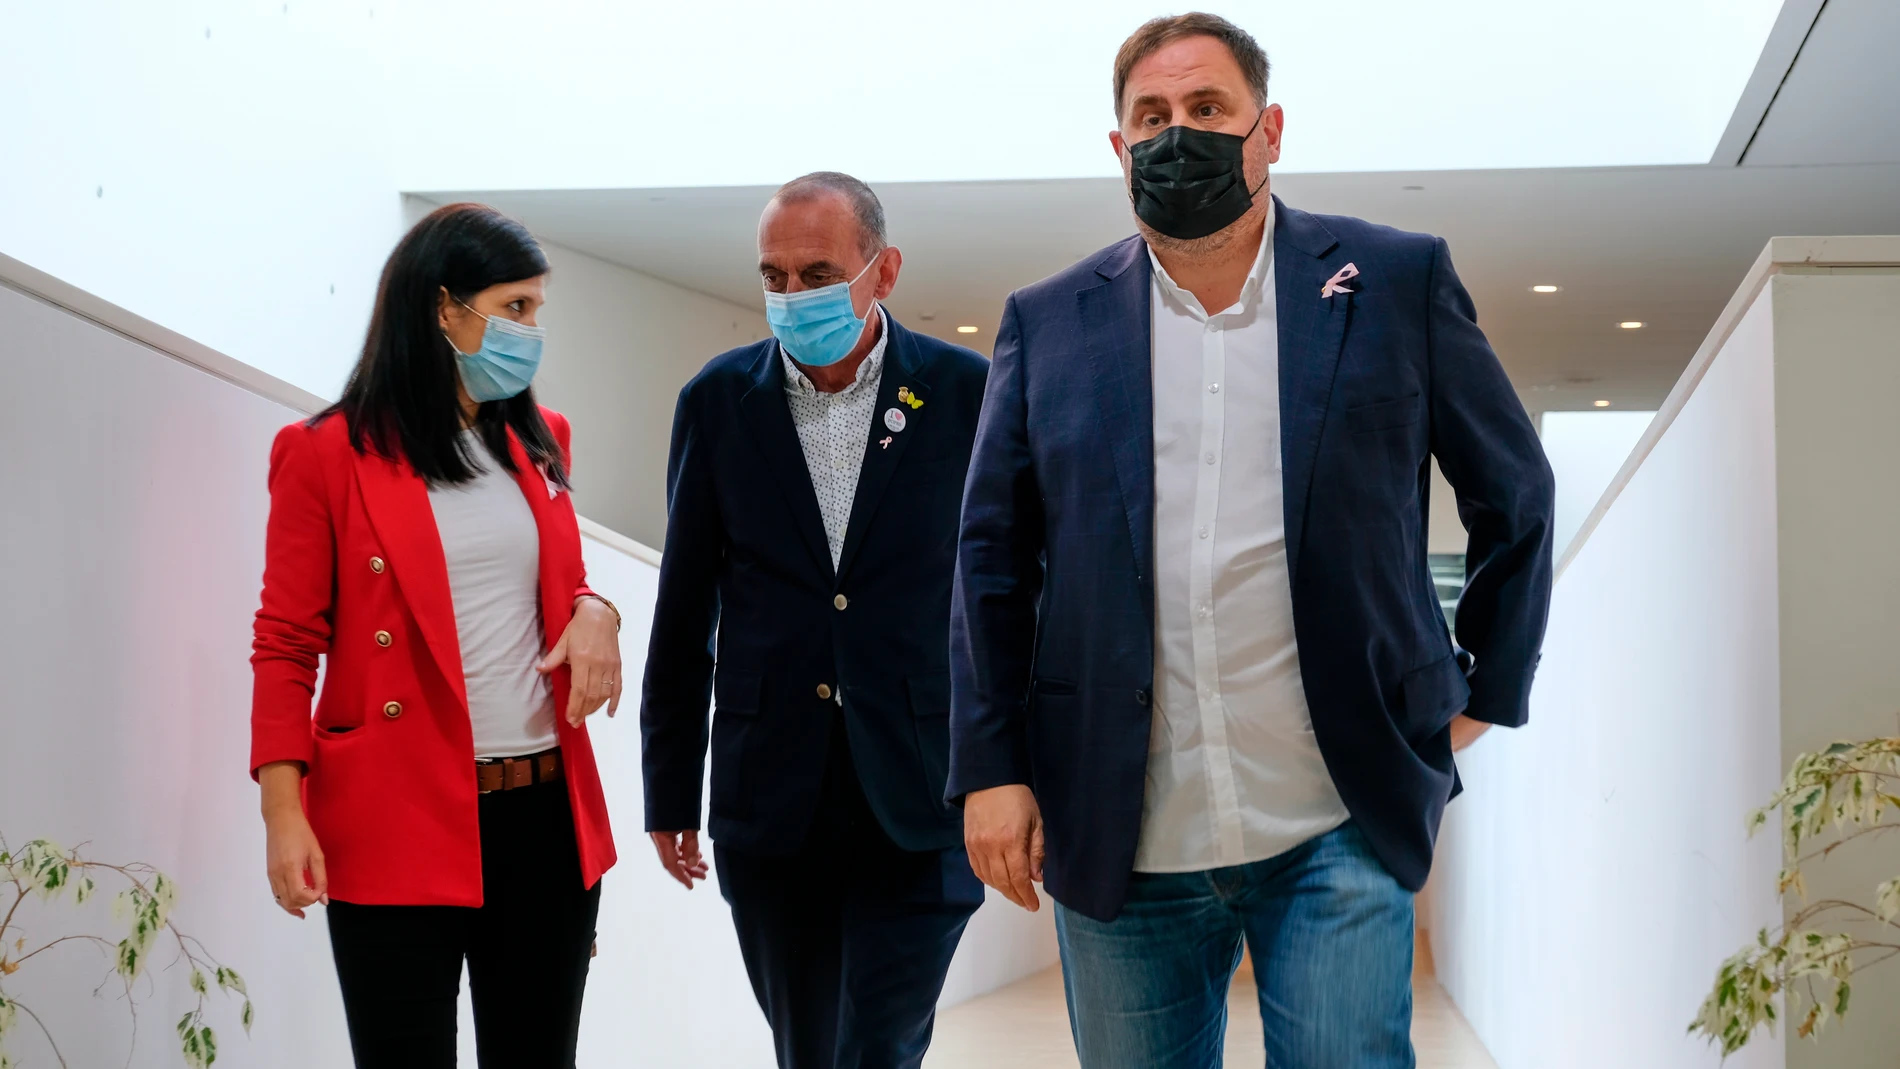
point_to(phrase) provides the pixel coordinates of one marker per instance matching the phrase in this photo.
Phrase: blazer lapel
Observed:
(555, 540)
(1118, 332)
(885, 447)
(397, 501)
(768, 419)
(1312, 331)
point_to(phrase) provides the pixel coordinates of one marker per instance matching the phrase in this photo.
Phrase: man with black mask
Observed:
(1195, 648)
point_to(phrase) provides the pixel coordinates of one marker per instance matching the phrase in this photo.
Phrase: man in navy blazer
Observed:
(1201, 685)
(812, 497)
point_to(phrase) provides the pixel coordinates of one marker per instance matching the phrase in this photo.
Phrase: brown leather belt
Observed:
(508, 773)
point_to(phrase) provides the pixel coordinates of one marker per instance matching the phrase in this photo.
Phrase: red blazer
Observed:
(352, 554)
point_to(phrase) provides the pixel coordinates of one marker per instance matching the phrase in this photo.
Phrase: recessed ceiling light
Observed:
(966, 330)
(1413, 189)
(1603, 404)
(1545, 289)
(1631, 324)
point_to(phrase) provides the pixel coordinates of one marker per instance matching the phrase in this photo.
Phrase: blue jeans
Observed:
(1331, 935)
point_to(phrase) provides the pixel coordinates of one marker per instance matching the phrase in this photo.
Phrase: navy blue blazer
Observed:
(1052, 628)
(746, 566)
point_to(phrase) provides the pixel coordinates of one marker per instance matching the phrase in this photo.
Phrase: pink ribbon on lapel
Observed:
(1333, 286)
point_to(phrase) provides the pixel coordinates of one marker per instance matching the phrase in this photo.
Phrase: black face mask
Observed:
(1188, 183)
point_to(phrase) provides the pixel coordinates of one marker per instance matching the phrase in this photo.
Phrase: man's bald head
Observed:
(863, 204)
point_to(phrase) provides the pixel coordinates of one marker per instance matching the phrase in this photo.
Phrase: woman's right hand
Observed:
(294, 859)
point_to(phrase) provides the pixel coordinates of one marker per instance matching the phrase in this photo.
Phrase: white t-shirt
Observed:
(493, 549)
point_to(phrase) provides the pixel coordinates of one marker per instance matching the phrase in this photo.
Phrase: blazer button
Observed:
(382, 638)
(1141, 697)
(824, 690)
(840, 602)
(376, 565)
(392, 710)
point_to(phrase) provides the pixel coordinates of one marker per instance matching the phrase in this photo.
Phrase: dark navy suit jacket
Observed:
(746, 561)
(1052, 627)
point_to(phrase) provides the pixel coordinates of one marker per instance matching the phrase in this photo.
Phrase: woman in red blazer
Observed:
(443, 801)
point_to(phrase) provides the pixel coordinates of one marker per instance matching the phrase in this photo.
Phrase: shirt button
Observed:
(1213, 387)
(1203, 532)
(824, 690)
(840, 602)
(1206, 612)
(1141, 697)
(1210, 457)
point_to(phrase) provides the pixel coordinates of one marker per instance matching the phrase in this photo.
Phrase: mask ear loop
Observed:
(1251, 194)
(866, 317)
(451, 341)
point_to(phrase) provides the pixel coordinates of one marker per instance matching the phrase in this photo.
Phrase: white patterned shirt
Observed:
(834, 429)
(1234, 773)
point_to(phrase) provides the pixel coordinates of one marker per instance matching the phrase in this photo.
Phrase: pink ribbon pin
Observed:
(1333, 286)
(885, 442)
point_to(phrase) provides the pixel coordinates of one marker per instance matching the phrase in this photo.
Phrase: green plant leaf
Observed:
(1887, 899)
(130, 960)
(245, 1017)
(229, 980)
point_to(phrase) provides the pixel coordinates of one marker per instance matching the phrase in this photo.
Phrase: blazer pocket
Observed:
(1433, 695)
(1055, 688)
(1383, 415)
(736, 691)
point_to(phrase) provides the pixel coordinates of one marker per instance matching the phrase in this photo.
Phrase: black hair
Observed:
(402, 400)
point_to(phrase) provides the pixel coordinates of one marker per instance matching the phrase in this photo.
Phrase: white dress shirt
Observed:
(1234, 772)
(493, 550)
(833, 429)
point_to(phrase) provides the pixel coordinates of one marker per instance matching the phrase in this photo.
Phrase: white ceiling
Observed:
(606, 94)
(1840, 101)
(1665, 246)
(1661, 245)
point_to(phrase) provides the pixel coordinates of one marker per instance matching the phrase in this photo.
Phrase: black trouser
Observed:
(527, 949)
(847, 940)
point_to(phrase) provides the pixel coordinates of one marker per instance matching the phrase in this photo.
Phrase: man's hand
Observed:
(1002, 829)
(1465, 731)
(679, 855)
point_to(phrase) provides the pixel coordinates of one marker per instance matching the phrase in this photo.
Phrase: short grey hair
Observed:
(872, 238)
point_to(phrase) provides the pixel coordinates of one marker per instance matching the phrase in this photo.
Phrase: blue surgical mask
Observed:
(817, 327)
(505, 364)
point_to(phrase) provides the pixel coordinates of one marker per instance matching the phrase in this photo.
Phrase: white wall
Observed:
(620, 345)
(1837, 448)
(133, 538)
(216, 166)
(1586, 450)
(1596, 870)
